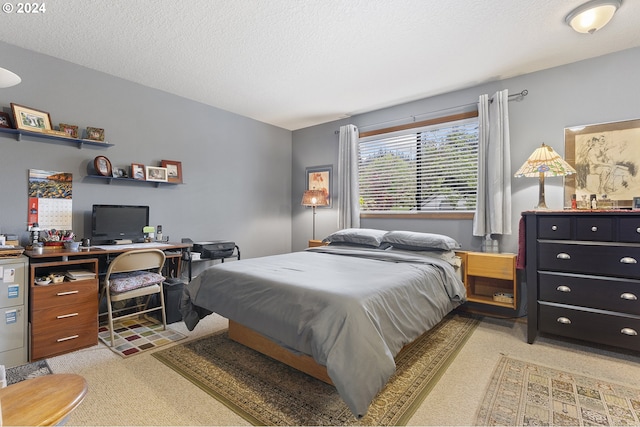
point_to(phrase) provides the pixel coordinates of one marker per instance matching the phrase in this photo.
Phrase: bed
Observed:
(340, 312)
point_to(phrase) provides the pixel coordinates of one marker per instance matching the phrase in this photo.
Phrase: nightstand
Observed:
(315, 243)
(490, 278)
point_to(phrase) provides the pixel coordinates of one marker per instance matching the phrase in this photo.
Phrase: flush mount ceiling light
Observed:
(8, 79)
(592, 15)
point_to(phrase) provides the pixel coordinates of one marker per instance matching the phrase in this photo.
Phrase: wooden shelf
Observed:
(486, 274)
(19, 133)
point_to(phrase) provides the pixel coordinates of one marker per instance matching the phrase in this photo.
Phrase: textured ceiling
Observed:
(297, 63)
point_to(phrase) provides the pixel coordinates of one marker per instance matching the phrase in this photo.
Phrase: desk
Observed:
(64, 316)
(42, 401)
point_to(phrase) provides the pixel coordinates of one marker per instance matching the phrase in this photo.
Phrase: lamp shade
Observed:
(315, 198)
(544, 160)
(592, 16)
(8, 78)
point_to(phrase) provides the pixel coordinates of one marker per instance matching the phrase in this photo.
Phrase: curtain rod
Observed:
(518, 95)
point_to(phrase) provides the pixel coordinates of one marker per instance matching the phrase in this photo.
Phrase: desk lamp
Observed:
(544, 162)
(314, 198)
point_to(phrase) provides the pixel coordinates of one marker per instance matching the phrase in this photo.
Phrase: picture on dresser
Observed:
(606, 157)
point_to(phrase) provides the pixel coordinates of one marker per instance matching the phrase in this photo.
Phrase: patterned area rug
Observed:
(524, 394)
(134, 336)
(267, 392)
(27, 371)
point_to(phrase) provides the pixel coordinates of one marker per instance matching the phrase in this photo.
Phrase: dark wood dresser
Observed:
(583, 275)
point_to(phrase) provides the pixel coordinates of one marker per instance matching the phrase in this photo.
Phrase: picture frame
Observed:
(320, 178)
(138, 172)
(30, 119)
(606, 157)
(157, 174)
(636, 203)
(174, 170)
(95, 134)
(5, 120)
(102, 166)
(70, 130)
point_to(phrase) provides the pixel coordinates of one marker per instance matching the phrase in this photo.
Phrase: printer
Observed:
(215, 249)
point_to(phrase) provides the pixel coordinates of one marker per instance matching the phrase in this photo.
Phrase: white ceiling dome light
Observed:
(593, 15)
(8, 79)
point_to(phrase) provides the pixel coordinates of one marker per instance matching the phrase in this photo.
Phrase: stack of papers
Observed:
(80, 274)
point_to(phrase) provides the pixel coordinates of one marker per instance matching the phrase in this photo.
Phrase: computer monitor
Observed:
(110, 223)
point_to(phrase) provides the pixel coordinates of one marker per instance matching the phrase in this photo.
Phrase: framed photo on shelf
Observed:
(30, 119)
(138, 172)
(95, 134)
(5, 120)
(174, 170)
(319, 178)
(636, 203)
(157, 174)
(70, 130)
(102, 166)
(606, 157)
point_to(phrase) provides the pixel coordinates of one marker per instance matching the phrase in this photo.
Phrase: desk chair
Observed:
(131, 275)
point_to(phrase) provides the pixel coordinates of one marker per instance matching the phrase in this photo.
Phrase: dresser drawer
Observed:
(53, 342)
(65, 293)
(629, 230)
(595, 228)
(554, 227)
(613, 294)
(618, 261)
(596, 326)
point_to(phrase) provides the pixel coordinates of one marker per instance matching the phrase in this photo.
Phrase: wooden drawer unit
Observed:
(489, 274)
(64, 316)
(583, 275)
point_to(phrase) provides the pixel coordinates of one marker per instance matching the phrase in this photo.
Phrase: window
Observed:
(420, 168)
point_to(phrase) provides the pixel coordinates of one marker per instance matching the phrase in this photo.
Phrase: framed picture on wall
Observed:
(102, 166)
(174, 170)
(138, 172)
(5, 120)
(70, 130)
(30, 119)
(606, 158)
(319, 178)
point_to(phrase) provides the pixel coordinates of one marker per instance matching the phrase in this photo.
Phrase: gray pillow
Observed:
(416, 241)
(368, 237)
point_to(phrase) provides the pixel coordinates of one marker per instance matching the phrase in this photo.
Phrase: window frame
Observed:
(421, 214)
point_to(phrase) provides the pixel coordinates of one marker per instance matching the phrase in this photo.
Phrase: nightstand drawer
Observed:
(597, 229)
(618, 261)
(613, 294)
(554, 227)
(597, 326)
(495, 266)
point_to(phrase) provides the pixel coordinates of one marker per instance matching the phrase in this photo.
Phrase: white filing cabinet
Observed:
(13, 311)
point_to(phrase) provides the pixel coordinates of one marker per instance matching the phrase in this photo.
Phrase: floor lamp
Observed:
(544, 162)
(314, 198)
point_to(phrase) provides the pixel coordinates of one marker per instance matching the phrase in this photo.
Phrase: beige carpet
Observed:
(266, 392)
(523, 393)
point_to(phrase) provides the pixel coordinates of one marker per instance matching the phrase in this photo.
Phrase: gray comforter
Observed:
(352, 310)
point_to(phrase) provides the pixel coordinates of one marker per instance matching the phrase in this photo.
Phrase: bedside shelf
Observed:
(18, 133)
(486, 274)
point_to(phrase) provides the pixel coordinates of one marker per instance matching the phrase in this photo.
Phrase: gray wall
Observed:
(237, 171)
(598, 90)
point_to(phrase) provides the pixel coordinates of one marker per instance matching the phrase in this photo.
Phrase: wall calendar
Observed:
(50, 199)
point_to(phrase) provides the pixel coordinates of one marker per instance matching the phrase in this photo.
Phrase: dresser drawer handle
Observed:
(638, 230)
(61, 294)
(628, 331)
(628, 260)
(564, 320)
(563, 288)
(554, 227)
(594, 228)
(64, 316)
(72, 337)
(563, 255)
(629, 296)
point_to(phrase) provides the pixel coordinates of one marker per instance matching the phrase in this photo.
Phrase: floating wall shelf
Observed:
(19, 133)
(110, 179)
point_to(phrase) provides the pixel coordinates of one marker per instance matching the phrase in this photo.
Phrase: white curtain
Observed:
(348, 193)
(493, 210)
